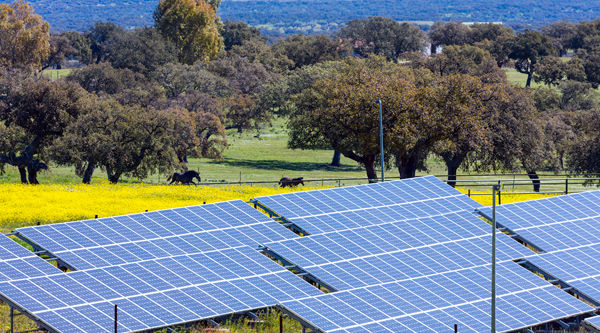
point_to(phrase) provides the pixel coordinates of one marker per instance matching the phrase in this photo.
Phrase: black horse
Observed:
(291, 182)
(185, 178)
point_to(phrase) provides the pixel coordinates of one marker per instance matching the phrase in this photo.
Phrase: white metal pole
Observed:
(381, 139)
(493, 324)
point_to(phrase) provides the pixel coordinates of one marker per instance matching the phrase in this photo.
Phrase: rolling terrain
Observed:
(313, 16)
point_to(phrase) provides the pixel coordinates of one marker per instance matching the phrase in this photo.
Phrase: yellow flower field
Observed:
(24, 205)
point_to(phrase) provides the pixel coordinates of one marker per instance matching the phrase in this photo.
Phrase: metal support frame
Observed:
(305, 323)
(511, 233)
(40, 251)
(287, 223)
(558, 282)
(14, 306)
(300, 271)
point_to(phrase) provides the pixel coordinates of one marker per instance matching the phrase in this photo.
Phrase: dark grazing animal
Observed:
(185, 178)
(291, 182)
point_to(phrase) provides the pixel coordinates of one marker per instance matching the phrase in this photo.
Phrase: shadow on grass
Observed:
(285, 165)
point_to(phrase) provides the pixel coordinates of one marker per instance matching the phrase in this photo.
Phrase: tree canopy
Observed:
(193, 26)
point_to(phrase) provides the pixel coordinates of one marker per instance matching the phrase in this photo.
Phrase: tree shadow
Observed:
(285, 165)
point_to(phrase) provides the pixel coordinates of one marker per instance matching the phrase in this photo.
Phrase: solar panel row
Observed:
(349, 207)
(144, 226)
(16, 262)
(100, 256)
(578, 267)
(157, 293)
(388, 252)
(553, 223)
(435, 304)
(131, 238)
(377, 215)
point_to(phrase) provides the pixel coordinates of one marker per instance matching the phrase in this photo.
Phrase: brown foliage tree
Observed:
(24, 36)
(193, 26)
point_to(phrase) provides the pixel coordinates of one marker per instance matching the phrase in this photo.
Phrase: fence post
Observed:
(567, 185)
(499, 193)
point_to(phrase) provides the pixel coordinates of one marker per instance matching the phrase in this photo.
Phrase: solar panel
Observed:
(130, 238)
(319, 211)
(388, 252)
(594, 322)
(16, 262)
(435, 303)
(577, 267)
(157, 293)
(554, 223)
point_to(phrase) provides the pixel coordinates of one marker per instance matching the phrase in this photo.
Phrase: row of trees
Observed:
(146, 100)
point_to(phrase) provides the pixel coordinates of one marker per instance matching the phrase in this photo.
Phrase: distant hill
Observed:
(310, 16)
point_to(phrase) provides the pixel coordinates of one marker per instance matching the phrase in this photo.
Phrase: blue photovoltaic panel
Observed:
(594, 322)
(131, 238)
(436, 303)
(553, 223)
(578, 267)
(157, 293)
(16, 262)
(355, 206)
(389, 252)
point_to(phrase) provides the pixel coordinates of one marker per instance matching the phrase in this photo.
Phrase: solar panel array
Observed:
(399, 250)
(406, 256)
(578, 267)
(131, 238)
(553, 223)
(157, 293)
(436, 303)
(350, 207)
(16, 262)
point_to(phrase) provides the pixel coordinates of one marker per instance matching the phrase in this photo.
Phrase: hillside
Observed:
(310, 16)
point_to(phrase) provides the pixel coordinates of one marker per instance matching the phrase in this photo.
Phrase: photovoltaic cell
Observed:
(157, 293)
(552, 223)
(131, 238)
(355, 206)
(16, 262)
(389, 252)
(577, 267)
(435, 304)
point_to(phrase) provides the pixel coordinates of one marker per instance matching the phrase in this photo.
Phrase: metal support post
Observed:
(12, 319)
(499, 192)
(566, 185)
(281, 323)
(116, 325)
(493, 309)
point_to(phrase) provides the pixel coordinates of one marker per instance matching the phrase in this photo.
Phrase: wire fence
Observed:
(472, 185)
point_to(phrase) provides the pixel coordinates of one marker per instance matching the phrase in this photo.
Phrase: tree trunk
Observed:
(89, 171)
(113, 177)
(535, 179)
(23, 172)
(529, 75)
(32, 175)
(371, 172)
(453, 162)
(407, 166)
(433, 49)
(452, 174)
(336, 159)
